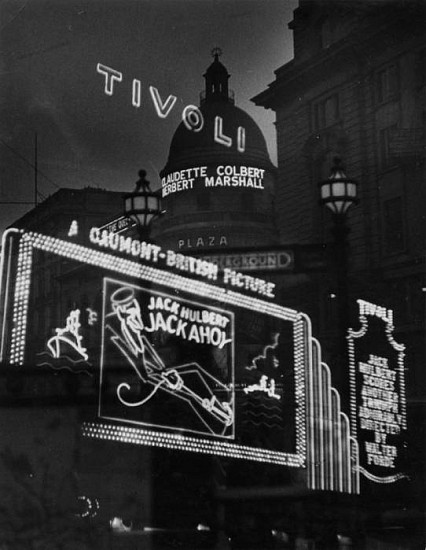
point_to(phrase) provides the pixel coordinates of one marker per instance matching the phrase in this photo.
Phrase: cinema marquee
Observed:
(187, 356)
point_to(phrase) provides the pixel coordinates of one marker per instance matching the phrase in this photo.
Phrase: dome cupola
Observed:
(216, 78)
(218, 183)
(217, 100)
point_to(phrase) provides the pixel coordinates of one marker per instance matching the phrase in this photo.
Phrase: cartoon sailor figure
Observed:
(188, 382)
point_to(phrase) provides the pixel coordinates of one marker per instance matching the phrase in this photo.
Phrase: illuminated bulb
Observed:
(154, 275)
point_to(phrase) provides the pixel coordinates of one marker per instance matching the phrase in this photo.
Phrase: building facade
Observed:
(65, 212)
(338, 97)
(218, 182)
(356, 90)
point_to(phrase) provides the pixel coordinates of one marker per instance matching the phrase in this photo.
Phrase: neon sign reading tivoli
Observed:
(192, 117)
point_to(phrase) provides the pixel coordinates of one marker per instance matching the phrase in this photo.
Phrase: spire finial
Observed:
(142, 184)
(216, 80)
(216, 53)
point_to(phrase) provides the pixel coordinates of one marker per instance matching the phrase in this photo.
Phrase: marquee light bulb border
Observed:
(30, 241)
(366, 310)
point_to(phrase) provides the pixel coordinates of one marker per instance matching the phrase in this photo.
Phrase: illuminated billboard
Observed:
(378, 403)
(222, 176)
(182, 361)
(173, 352)
(178, 353)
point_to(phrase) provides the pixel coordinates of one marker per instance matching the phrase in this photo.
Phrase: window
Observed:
(322, 166)
(406, 299)
(416, 298)
(326, 112)
(386, 84)
(393, 225)
(386, 156)
(327, 33)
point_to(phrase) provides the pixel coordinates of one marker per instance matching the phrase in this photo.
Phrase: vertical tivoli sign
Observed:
(378, 404)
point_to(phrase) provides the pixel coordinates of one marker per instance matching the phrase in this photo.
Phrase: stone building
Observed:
(56, 288)
(218, 182)
(356, 90)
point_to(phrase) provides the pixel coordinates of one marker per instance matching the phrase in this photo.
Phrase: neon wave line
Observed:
(64, 367)
(385, 479)
(64, 356)
(263, 354)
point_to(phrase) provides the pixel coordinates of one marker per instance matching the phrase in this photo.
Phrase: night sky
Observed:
(50, 86)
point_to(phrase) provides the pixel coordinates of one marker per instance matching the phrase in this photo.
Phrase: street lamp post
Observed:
(142, 205)
(339, 193)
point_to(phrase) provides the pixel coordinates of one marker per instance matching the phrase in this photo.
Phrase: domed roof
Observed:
(216, 68)
(190, 148)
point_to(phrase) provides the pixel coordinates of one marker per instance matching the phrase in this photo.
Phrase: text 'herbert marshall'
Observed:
(222, 176)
